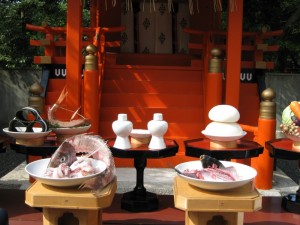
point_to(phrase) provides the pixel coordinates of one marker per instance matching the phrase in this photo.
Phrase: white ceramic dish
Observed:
(37, 169)
(245, 173)
(26, 135)
(70, 131)
(223, 129)
(223, 138)
(140, 133)
(292, 137)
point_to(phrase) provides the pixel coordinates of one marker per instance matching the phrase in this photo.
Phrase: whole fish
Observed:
(85, 143)
(65, 153)
(210, 162)
(73, 122)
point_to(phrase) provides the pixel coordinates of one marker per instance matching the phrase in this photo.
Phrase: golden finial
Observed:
(267, 106)
(215, 61)
(91, 61)
(35, 100)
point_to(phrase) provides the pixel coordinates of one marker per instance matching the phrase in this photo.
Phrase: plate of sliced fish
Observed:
(63, 175)
(211, 174)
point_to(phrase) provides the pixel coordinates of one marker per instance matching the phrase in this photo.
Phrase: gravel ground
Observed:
(10, 160)
(290, 168)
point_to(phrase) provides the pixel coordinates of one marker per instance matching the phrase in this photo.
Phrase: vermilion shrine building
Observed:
(153, 56)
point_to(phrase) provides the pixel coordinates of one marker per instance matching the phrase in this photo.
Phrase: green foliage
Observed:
(276, 15)
(15, 51)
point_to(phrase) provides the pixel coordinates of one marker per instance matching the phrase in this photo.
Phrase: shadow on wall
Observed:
(14, 91)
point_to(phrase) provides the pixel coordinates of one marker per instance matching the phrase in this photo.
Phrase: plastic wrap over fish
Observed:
(84, 143)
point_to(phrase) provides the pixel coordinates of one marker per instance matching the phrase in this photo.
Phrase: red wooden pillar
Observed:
(266, 131)
(91, 95)
(73, 54)
(233, 58)
(234, 48)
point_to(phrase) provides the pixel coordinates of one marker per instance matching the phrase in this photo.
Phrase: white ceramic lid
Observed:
(122, 117)
(157, 116)
(224, 113)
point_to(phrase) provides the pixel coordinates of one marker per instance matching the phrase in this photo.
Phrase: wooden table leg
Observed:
(214, 218)
(53, 216)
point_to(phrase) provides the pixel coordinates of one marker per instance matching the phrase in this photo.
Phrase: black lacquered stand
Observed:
(45, 150)
(283, 149)
(244, 149)
(2, 148)
(139, 199)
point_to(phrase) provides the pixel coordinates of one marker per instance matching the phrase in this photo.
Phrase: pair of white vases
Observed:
(157, 128)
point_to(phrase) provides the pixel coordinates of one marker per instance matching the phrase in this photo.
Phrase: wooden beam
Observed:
(42, 42)
(73, 54)
(42, 59)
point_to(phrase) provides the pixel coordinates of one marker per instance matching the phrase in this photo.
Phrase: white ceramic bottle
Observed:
(157, 128)
(122, 128)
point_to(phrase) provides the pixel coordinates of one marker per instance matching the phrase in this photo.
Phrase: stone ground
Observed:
(13, 176)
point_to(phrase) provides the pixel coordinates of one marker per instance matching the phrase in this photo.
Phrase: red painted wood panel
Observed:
(152, 87)
(150, 100)
(153, 73)
(141, 114)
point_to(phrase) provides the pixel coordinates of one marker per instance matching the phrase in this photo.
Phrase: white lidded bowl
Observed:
(37, 169)
(246, 174)
(224, 113)
(224, 138)
(220, 129)
(140, 133)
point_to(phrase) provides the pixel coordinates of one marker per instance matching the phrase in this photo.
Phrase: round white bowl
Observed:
(223, 129)
(37, 169)
(71, 131)
(224, 138)
(245, 173)
(292, 137)
(140, 133)
(26, 135)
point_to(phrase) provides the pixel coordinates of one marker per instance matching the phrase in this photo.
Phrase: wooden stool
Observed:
(204, 207)
(69, 205)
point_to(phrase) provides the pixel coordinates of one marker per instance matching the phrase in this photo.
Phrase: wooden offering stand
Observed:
(2, 146)
(296, 146)
(139, 141)
(69, 205)
(222, 144)
(204, 207)
(31, 142)
(139, 199)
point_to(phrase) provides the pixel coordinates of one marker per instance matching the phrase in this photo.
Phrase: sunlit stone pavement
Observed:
(156, 180)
